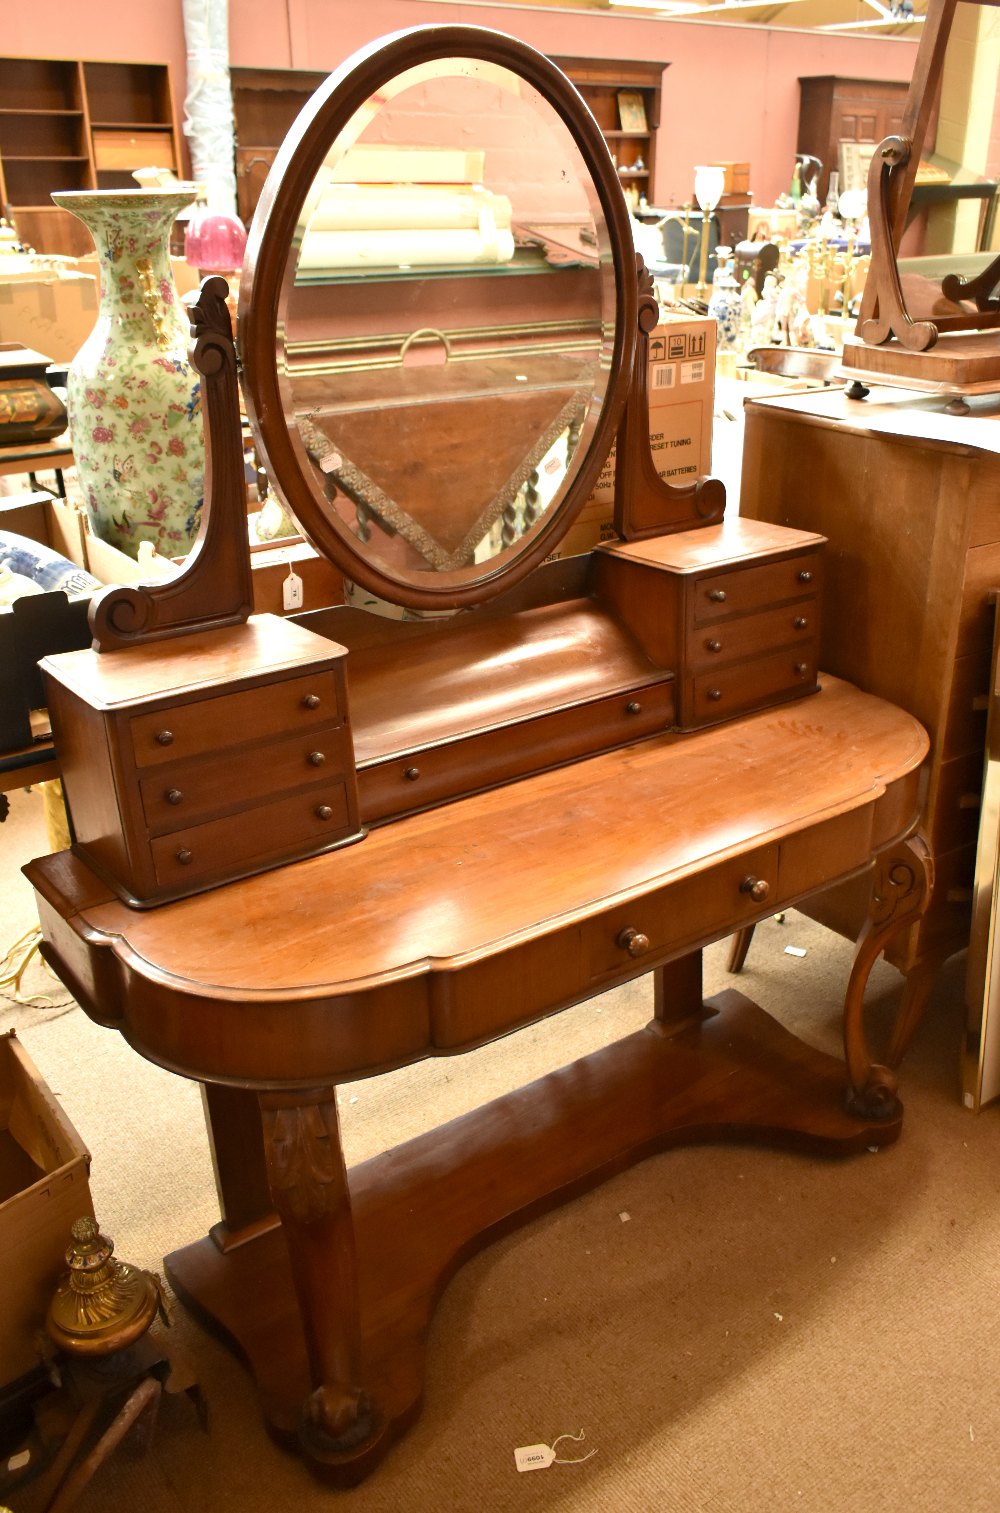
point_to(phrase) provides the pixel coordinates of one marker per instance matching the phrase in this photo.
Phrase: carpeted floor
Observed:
(735, 1330)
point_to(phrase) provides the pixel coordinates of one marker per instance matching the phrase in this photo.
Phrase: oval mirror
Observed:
(437, 315)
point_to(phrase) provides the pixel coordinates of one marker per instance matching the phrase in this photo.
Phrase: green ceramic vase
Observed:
(133, 398)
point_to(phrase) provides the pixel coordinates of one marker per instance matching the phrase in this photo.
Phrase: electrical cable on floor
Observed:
(13, 965)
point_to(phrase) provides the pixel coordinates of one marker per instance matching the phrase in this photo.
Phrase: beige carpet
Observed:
(765, 1333)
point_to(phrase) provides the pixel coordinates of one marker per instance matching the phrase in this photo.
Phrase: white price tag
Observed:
(291, 591)
(533, 1457)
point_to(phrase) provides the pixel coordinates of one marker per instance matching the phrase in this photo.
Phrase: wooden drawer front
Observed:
(832, 849)
(499, 993)
(732, 690)
(756, 587)
(427, 777)
(968, 698)
(207, 725)
(714, 901)
(178, 795)
(954, 820)
(753, 634)
(133, 149)
(225, 847)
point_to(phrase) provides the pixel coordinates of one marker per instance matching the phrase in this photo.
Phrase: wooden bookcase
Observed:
(73, 124)
(601, 82)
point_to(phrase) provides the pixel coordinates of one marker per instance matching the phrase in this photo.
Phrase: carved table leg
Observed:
(308, 1178)
(900, 893)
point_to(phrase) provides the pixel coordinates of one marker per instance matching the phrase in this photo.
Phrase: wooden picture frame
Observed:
(632, 110)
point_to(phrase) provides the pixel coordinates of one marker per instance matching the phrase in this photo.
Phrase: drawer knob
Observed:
(411, 774)
(164, 737)
(715, 694)
(801, 668)
(311, 701)
(717, 595)
(757, 887)
(633, 707)
(316, 758)
(634, 942)
(173, 795)
(324, 812)
(184, 856)
(800, 622)
(805, 576)
(713, 645)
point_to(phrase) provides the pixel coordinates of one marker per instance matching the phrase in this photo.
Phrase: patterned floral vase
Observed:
(133, 398)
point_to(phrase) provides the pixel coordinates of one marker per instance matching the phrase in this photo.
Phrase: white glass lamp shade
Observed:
(709, 182)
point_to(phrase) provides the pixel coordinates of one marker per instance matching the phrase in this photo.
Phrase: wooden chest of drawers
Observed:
(737, 612)
(174, 786)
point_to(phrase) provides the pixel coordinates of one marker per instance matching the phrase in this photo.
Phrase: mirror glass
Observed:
(447, 327)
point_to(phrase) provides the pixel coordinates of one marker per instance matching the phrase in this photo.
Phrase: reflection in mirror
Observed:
(448, 335)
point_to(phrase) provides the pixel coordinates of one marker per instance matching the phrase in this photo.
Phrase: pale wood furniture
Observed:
(908, 497)
(540, 825)
(67, 123)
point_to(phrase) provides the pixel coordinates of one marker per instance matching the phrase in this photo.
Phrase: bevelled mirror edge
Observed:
(268, 274)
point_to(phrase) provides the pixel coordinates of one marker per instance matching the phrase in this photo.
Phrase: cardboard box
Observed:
(53, 313)
(44, 1189)
(681, 385)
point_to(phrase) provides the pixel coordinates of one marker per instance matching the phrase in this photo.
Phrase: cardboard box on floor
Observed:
(53, 313)
(44, 1189)
(681, 384)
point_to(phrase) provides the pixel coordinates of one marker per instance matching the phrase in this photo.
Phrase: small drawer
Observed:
(743, 686)
(758, 586)
(753, 634)
(133, 149)
(183, 794)
(720, 899)
(242, 842)
(201, 726)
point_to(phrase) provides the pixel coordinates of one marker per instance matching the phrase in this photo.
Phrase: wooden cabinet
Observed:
(265, 103)
(834, 110)
(608, 86)
(909, 499)
(741, 604)
(174, 786)
(66, 124)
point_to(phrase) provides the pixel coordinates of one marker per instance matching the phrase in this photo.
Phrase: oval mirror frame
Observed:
(268, 276)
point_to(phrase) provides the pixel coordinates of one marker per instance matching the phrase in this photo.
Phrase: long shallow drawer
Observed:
(756, 587)
(498, 993)
(204, 725)
(276, 830)
(752, 634)
(403, 783)
(181, 794)
(726, 691)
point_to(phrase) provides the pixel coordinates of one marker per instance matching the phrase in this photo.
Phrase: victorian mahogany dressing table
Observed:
(310, 852)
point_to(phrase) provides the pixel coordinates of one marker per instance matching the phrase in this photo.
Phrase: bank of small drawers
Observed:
(751, 637)
(206, 778)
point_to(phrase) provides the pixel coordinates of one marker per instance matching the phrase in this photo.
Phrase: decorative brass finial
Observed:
(101, 1305)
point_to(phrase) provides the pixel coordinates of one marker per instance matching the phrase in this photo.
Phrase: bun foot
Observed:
(877, 1099)
(339, 1426)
